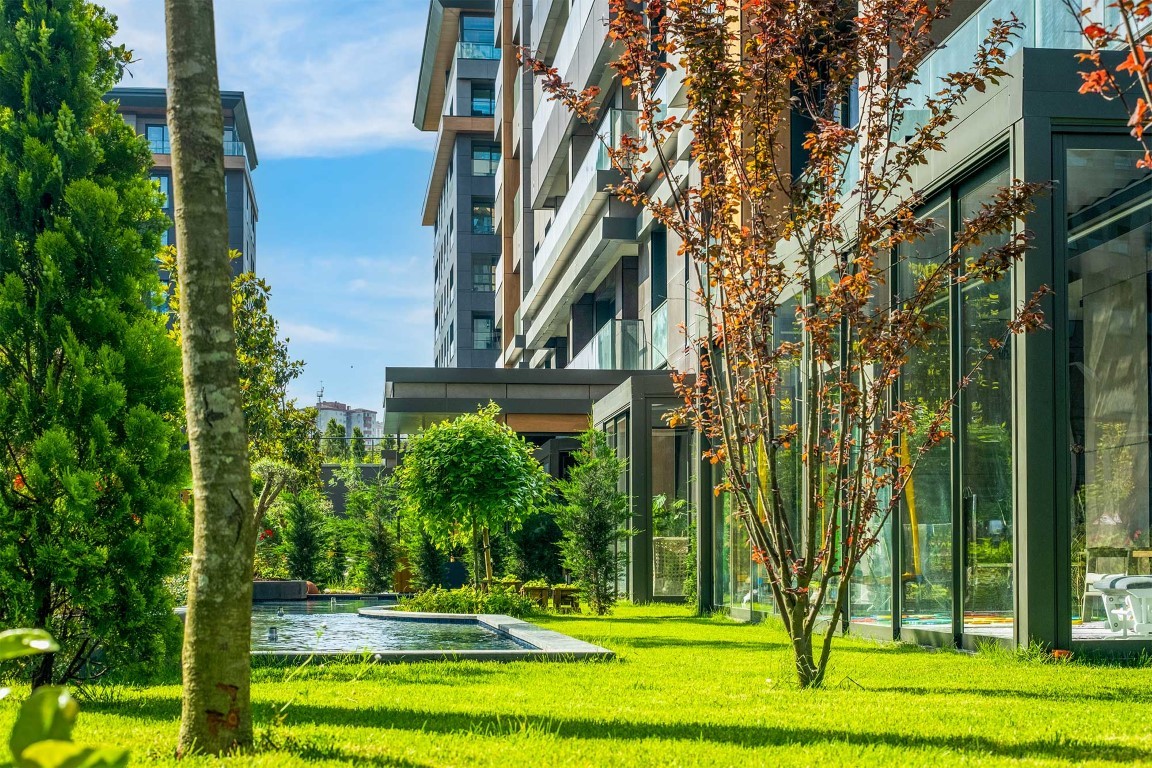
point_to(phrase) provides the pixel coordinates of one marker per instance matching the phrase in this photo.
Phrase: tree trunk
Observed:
(487, 557)
(216, 712)
(808, 674)
(475, 556)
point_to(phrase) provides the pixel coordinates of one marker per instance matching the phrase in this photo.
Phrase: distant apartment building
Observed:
(145, 109)
(350, 418)
(456, 97)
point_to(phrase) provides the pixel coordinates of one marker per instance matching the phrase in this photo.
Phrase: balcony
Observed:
(615, 124)
(1046, 25)
(617, 346)
(483, 51)
(235, 149)
(483, 340)
(164, 147)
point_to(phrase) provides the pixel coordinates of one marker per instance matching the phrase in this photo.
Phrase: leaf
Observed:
(48, 714)
(65, 754)
(16, 643)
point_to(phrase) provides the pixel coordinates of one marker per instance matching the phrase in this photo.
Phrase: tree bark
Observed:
(216, 714)
(487, 557)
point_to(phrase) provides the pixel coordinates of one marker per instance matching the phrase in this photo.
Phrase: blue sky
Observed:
(330, 86)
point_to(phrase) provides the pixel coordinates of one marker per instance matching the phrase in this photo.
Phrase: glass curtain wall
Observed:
(947, 555)
(1109, 265)
(986, 441)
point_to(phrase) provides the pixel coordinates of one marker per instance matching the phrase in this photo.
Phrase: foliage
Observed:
(91, 459)
(537, 547)
(282, 438)
(593, 517)
(335, 444)
(1123, 25)
(467, 477)
(802, 338)
(427, 563)
(304, 534)
(372, 507)
(358, 448)
(42, 733)
(498, 600)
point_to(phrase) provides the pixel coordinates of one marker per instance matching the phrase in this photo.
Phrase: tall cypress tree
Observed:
(91, 459)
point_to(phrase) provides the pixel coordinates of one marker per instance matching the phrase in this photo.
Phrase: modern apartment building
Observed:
(456, 98)
(145, 109)
(1046, 486)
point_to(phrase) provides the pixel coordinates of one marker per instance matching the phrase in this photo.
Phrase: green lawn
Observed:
(683, 691)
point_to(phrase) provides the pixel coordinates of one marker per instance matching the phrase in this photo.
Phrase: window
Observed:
(483, 98)
(163, 183)
(157, 136)
(483, 332)
(477, 29)
(482, 217)
(484, 273)
(485, 158)
(658, 266)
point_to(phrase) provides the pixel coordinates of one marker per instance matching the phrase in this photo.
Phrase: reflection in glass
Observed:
(986, 439)
(673, 516)
(616, 432)
(1109, 237)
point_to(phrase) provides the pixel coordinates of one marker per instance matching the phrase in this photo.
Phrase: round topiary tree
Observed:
(464, 477)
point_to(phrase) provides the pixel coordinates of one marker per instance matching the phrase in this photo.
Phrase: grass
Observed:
(684, 691)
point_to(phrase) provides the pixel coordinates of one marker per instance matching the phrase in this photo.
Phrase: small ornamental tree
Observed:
(335, 441)
(593, 518)
(1123, 25)
(800, 337)
(91, 459)
(465, 477)
(303, 533)
(358, 449)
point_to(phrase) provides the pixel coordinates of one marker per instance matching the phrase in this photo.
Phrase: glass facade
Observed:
(672, 456)
(616, 432)
(945, 562)
(1108, 212)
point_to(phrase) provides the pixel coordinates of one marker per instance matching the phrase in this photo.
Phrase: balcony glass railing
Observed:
(617, 346)
(485, 340)
(466, 50)
(615, 124)
(1047, 24)
(160, 146)
(658, 353)
(235, 149)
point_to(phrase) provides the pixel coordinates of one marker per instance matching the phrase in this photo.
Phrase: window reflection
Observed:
(1109, 268)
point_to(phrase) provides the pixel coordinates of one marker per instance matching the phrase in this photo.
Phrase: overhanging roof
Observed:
(418, 397)
(440, 37)
(157, 98)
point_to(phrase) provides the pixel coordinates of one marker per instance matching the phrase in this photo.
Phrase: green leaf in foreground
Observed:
(65, 754)
(48, 714)
(16, 643)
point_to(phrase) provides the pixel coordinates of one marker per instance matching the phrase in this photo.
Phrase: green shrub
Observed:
(593, 517)
(470, 600)
(304, 534)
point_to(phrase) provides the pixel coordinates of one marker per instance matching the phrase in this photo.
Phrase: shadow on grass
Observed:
(659, 641)
(745, 736)
(1110, 697)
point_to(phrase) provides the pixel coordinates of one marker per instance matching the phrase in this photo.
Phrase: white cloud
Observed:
(321, 78)
(310, 334)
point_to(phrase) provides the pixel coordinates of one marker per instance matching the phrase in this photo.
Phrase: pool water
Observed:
(333, 627)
